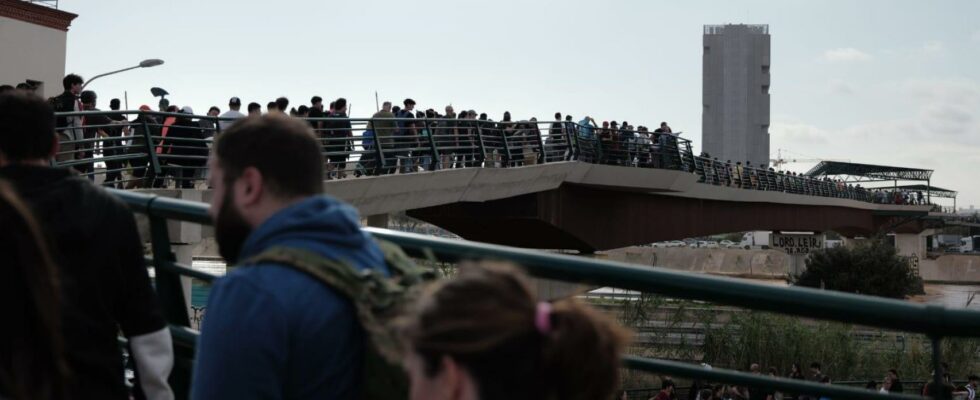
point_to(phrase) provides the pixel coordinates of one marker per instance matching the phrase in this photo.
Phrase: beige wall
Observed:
(32, 52)
(951, 268)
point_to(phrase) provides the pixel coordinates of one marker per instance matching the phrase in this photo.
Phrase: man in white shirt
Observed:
(233, 106)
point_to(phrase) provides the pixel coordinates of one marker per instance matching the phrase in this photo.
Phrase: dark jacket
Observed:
(64, 102)
(185, 137)
(274, 332)
(337, 126)
(104, 282)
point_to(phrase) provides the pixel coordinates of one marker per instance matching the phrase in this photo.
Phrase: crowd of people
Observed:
(403, 139)
(397, 138)
(74, 278)
(890, 383)
(747, 176)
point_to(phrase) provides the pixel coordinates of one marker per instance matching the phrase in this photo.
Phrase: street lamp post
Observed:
(143, 64)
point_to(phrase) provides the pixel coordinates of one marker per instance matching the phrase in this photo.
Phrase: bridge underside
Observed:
(588, 218)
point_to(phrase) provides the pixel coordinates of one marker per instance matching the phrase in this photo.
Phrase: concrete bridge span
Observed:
(588, 207)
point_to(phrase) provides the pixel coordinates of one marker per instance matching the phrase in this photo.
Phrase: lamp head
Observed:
(150, 62)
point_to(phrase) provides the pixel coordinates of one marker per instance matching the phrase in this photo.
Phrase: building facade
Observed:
(33, 40)
(735, 92)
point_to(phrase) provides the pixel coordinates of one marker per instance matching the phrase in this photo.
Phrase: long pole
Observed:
(126, 99)
(108, 73)
(376, 106)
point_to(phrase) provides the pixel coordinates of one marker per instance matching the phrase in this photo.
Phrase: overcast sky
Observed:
(887, 82)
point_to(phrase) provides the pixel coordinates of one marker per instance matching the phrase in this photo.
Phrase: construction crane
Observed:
(779, 161)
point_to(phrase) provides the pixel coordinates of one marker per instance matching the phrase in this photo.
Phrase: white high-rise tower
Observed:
(735, 117)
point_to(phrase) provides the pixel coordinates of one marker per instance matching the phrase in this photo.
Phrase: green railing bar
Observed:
(752, 380)
(181, 269)
(804, 302)
(165, 207)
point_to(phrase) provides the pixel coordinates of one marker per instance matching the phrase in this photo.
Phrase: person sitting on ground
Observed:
(896, 386)
(32, 362)
(483, 335)
(272, 330)
(887, 385)
(97, 249)
(971, 387)
(666, 390)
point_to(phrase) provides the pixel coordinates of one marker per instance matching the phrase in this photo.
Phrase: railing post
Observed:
(574, 141)
(541, 157)
(151, 152)
(432, 144)
(479, 141)
(380, 165)
(938, 389)
(167, 282)
(598, 153)
(505, 159)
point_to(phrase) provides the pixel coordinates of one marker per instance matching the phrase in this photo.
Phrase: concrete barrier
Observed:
(958, 268)
(760, 264)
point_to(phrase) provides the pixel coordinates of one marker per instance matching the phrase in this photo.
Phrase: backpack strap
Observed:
(373, 295)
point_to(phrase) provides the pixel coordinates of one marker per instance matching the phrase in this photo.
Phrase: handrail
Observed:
(935, 321)
(460, 143)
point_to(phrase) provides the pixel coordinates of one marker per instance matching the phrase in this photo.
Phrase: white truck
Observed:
(755, 240)
(970, 244)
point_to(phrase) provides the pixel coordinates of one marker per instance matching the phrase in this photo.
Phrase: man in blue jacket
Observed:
(271, 331)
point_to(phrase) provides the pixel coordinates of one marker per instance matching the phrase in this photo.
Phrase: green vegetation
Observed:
(733, 338)
(871, 267)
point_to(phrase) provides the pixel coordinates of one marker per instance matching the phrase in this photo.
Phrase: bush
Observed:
(871, 268)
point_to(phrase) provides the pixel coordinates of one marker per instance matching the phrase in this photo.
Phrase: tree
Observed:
(871, 267)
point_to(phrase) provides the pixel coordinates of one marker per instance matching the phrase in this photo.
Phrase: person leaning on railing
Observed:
(484, 335)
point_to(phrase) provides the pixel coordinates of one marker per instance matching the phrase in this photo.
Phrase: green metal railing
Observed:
(154, 158)
(936, 322)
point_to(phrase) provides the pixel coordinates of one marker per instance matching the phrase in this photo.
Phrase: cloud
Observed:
(846, 54)
(839, 87)
(797, 133)
(976, 37)
(932, 48)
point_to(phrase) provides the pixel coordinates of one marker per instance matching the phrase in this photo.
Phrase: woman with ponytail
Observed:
(483, 335)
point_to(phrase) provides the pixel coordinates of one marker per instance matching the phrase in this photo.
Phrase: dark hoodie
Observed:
(273, 332)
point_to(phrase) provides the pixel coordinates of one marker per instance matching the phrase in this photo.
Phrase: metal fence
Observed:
(152, 149)
(936, 322)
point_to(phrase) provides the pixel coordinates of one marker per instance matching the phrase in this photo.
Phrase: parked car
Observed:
(660, 245)
(728, 244)
(711, 244)
(676, 243)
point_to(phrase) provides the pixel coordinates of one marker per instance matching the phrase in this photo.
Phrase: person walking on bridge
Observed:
(384, 126)
(99, 257)
(273, 331)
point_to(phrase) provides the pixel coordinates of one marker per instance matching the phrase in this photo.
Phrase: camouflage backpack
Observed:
(378, 300)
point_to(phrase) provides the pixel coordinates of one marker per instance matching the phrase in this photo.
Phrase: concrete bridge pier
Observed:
(184, 254)
(185, 237)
